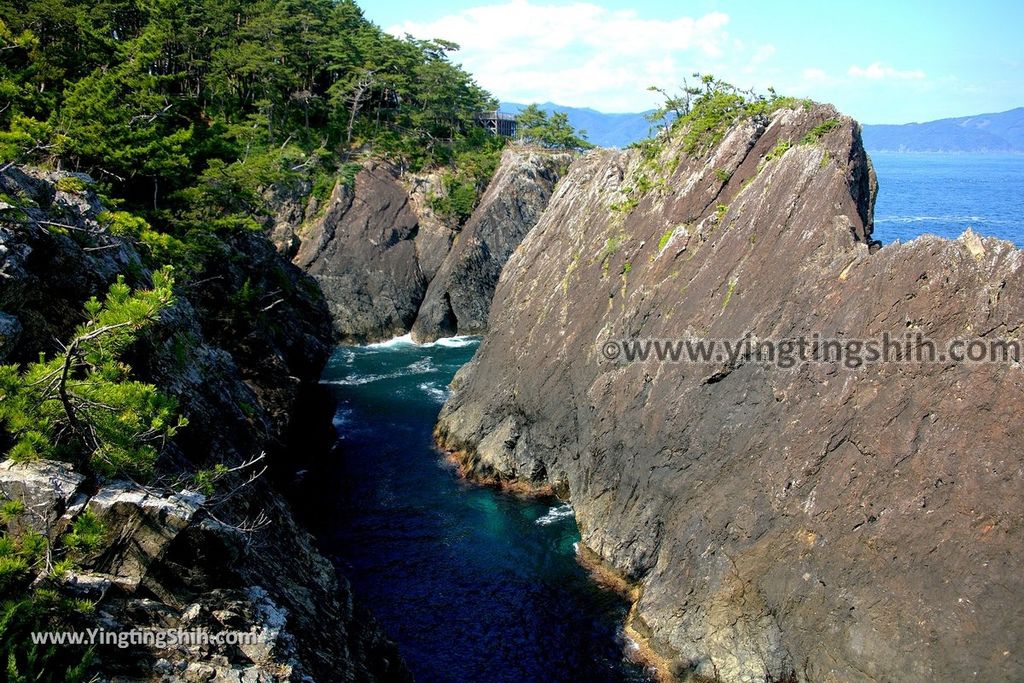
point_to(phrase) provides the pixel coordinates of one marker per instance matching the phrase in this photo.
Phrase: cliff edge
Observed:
(458, 298)
(237, 352)
(818, 522)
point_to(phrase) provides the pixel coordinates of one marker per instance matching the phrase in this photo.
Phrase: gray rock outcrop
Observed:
(10, 330)
(817, 523)
(363, 255)
(458, 298)
(387, 264)
(237, 352)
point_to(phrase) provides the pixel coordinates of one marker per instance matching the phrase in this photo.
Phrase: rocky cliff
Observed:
(237, 350)
(458, 298)
(388, 264)
(363, 251)
(817, 523)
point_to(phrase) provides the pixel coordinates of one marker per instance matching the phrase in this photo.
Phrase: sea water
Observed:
(477, 585)
(472, 583)
(944, 194)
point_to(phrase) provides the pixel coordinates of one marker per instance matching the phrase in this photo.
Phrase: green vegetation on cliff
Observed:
(554, 132)
(189, 111)
(81, 405)
(695, 121)
(703, 113)
(31, 566)
(196, 120)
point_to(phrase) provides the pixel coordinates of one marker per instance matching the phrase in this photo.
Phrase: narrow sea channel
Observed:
(473, 584)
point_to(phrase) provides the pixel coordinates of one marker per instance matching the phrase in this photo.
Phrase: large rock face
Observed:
(459, 296)
(38, 307)
(363, 255)
(385, 260)
(820, 522)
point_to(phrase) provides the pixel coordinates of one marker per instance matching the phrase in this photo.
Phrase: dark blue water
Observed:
(944, 194)
(473, 584)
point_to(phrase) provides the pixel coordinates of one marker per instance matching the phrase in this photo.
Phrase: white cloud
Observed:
(763, 54)
(814, 75)
(878, 71)
(581, 54)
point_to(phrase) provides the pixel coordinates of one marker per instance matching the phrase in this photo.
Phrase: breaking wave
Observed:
(556, 514)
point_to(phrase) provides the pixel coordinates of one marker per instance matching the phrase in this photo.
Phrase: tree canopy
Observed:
(82, 405)
(553, 132)
(166, 102)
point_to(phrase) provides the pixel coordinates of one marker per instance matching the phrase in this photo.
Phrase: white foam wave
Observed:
(556, 514)
(432, 390)
(406, 341)
(421, 367)
(457, 342)
(356, 380)
(940, 219)
(396, 342)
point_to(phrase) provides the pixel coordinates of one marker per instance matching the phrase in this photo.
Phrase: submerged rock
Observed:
(818, 522)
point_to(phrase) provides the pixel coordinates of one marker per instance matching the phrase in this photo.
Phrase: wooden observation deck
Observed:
(498, 123)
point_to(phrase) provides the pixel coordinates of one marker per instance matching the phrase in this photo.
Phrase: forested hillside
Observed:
(187, 111)
(191, 119)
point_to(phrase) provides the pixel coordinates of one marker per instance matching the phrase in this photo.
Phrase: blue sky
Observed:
(881, 62)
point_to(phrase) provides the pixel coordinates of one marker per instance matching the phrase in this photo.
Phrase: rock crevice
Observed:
(388, 264)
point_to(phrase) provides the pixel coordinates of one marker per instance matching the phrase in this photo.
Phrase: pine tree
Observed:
(554, 133)
(82, 405)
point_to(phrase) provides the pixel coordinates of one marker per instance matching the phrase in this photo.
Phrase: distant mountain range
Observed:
(604, 130)
(1002, 132)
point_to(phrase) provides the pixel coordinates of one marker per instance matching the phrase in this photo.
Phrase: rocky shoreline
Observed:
(187, 560)
(765, 523)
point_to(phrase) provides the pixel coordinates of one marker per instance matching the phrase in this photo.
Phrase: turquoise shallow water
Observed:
(473, 584)
(944, 194)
